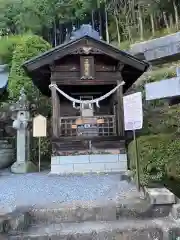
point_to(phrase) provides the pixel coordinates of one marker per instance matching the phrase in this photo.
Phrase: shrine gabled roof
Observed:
(38, 68)
(48, 57)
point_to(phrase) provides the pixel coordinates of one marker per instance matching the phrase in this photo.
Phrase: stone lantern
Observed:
(21, 116)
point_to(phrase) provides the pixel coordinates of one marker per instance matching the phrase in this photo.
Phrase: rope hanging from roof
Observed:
(85, 102)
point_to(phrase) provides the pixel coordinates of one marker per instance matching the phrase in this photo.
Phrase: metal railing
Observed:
(104, 125)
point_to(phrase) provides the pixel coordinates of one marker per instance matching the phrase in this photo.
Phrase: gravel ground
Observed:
(43, 189)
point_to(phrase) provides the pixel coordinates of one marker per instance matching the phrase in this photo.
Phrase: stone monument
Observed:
(21, 117)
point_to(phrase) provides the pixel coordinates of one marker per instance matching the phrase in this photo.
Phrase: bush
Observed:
(161, 120)
(157, 156)
(29, 46)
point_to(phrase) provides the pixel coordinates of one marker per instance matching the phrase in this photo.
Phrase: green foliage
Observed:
(7, 46)
(43, 16)
(164, 119)
(158, 155)
(160, 73)
(28, 47)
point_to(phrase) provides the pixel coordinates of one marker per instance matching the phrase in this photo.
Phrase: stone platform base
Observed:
(26, 167)
(89, 163)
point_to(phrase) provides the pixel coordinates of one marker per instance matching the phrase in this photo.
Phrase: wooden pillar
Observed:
(119, 109)
(55, 112)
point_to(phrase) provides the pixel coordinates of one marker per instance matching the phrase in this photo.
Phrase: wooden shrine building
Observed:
(86, 137)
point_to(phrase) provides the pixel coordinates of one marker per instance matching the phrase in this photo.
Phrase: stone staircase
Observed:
(132, 218)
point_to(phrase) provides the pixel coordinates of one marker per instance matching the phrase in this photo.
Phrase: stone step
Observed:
(128, 206)
(93, 211)
(87, 211)
(158, 229)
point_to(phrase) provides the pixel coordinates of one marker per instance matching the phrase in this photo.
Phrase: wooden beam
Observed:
(55, 112)
(119, 108)
(95, 138)
(86, 93)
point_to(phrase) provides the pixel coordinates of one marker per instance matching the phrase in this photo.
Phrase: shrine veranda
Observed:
(86, 79)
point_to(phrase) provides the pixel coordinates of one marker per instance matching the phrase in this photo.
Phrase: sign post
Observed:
(137, 161)
(39, 130)
(133, 120)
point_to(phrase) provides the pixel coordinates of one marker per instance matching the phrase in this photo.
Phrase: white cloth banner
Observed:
(133, 111)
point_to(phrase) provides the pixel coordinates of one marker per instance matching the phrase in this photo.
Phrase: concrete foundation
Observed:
(89, 163)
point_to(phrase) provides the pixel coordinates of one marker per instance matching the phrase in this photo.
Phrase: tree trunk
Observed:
(118, 31)
(166, 22)
(132, 6)
(140, 24)
(55, 33)
(92, 18)
(176, 15)
(171, 22)
(100, 24)
(152, 24)
(128, 27)
(106, 22)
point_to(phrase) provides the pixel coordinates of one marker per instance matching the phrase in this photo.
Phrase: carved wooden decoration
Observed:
(86, 50)
(87, 67)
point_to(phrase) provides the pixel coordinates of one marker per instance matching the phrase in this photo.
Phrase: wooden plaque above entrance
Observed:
(87, 67)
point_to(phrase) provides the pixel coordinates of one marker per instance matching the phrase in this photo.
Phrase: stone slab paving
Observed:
(41, 189)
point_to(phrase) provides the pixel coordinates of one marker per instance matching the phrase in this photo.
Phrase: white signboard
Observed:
(163, 89)
(133, 112)
(39, 126)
